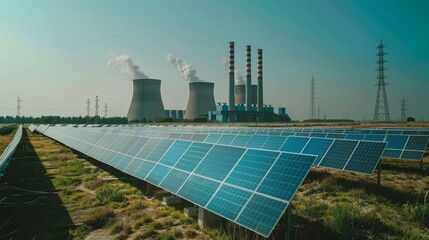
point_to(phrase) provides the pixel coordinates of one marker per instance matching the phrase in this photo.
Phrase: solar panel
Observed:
(10, 149)
(234, 182)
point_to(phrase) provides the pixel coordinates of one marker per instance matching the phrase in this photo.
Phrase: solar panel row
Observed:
(248, 186)
(413, 150)
(10, 149)
(331, 153)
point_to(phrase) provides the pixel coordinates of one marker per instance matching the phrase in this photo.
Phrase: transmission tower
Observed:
(404, 119)
(18, 107)
(318, 112)
(88, 108)
(312, 114)
(105, 110)
(381, 110)
(96, 117)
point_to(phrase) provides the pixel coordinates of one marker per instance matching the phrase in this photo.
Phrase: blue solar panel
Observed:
(199, 189)
(412, 155)
(133, 166)
(338, 154)
(318, 147)
(365, 157)
(355, 137)
(261, 214)
(177, 150)
(294, 144)
(257, 141)
(372, 137)
(388, 153)
(144, 169)
(252, 168)
(226, 139)
(157, 174)
(193, 156)
(417, 143)
(219, 162)
(286, 175)
(241, 140)
(213, 138)
(396, 141)
(228, 201)
(174, 180)
(274, 142)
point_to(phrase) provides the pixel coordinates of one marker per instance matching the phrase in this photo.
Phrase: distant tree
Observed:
(411, 119)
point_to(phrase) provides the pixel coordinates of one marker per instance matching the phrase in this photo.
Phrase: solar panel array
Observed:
(417, 140)
(251, 187)
(349, 156)
(10, 149)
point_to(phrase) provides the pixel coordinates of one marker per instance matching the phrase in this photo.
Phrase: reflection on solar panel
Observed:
(10, 149)
(247, 186)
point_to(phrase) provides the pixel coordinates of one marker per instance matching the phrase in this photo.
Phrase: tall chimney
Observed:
(248, 79)
(231, 80)
(260, 85)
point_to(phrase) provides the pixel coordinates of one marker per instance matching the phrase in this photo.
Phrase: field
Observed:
(77, 198)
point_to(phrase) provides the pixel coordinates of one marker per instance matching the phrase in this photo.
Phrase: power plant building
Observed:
(146, 103)
(201, 100)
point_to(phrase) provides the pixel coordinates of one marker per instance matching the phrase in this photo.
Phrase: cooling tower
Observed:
(201, 100)
(146, 102)
(240, 94)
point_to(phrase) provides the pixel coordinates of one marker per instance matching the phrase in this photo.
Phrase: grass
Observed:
(351, 206)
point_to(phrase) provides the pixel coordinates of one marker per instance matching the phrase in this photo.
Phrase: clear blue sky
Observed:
(54, 52)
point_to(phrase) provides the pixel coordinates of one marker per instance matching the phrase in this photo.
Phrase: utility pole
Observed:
(18, 107)
(404, 118)
(312, 114)
(105, 110)
(381, 110)
(96, 110)
(88, 108)
(318, 112)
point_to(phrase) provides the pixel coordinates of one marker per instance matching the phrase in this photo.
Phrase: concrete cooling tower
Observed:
(201, 100)
(146, 102)
(240, 94)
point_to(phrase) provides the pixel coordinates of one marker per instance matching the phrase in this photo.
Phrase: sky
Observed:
(54, 53)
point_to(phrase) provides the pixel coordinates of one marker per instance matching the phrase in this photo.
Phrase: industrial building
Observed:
(201, 100)
(146, 103)
(245, 102)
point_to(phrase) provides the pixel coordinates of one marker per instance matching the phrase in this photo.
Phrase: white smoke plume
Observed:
(239, 80)
(185, 69)
(125, 65)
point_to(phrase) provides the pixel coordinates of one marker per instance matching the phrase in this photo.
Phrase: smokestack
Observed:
(248, 79)
(240, 94)
(231, 80)
(201, 100)
(146, 102)
(260, 85)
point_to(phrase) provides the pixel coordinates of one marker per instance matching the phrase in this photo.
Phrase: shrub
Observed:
(343, 218)
(148, 232)
(99, 218)
(191, 233)
(110, 194)
(316, 211)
